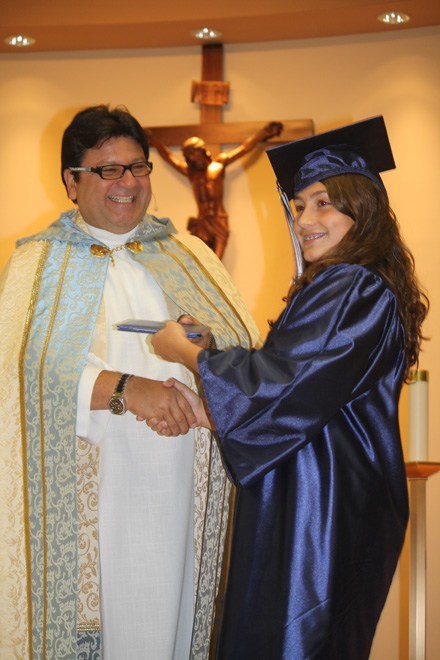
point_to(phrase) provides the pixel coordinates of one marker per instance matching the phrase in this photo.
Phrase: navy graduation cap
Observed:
(360, 148)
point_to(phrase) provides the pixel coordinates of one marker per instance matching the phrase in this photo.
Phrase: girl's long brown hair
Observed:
(375, 241)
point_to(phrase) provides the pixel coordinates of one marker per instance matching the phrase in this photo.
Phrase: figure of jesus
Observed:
(206, 174)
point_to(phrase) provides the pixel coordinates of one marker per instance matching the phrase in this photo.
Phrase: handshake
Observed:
(169, 408)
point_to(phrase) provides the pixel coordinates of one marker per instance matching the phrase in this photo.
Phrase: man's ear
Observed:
(70, 182)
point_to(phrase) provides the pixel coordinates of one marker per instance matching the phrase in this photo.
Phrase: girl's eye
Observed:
(324, 202)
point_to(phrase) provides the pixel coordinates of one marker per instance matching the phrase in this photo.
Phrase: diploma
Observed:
(418, 416)
(150, 327)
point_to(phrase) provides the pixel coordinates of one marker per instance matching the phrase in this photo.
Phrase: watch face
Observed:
(116, 405)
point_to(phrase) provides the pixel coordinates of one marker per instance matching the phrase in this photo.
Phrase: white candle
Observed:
(418, 416)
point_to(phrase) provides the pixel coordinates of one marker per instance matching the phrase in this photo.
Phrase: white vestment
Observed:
(145, 516)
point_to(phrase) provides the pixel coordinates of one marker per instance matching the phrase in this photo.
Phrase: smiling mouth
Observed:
(312, 237)
(121, 199)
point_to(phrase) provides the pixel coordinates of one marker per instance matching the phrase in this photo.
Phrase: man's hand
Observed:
(146, 398)
(198, 405)
(149, 399)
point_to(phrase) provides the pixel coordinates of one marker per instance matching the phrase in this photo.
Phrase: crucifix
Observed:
(203, 161)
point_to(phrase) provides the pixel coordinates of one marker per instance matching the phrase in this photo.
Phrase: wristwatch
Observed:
(117, 404)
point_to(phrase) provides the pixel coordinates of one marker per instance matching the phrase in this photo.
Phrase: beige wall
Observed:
(333, 81)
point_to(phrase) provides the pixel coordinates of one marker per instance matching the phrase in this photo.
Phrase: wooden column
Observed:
(418, 474)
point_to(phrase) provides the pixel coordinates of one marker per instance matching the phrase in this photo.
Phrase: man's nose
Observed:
(128, 178)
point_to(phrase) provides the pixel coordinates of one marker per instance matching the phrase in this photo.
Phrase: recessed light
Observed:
(393, 18)
(19, 41)
(207, 34)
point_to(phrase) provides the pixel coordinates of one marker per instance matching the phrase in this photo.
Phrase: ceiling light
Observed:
(207, 34)
(19, 41)
(393, 18)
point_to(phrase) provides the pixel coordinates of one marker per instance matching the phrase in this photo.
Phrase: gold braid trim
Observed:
(202, 536)
(214, 284)
(42, 438)
(88, 627)
(218, 604)
(26, 332)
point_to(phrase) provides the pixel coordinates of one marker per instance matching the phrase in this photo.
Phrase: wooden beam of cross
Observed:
(204, 161)
(215, 135)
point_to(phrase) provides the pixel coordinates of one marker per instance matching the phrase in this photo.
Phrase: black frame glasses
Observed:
(116, 171)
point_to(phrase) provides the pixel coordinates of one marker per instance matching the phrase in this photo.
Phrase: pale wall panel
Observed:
(333, 81)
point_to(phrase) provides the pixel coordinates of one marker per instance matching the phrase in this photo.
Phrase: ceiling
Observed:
(70, 25)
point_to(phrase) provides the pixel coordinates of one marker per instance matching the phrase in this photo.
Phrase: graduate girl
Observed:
(308, 425)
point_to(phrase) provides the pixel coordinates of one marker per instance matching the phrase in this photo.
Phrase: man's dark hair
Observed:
(91, 127)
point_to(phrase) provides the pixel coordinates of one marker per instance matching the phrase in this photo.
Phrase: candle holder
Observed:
(418, 473)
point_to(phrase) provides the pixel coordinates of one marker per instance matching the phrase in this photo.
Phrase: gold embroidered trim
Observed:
(213, 282)
(224, 504)
(208, 481)
(42, 438)
(102, 250)
(87, 476)
(24, 343)
(224, 567)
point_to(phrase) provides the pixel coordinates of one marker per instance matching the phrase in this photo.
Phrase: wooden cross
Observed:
(212, 93)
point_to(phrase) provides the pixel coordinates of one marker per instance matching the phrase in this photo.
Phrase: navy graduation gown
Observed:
(308, 429)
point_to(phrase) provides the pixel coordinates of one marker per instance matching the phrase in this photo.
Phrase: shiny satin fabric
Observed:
(308, 430)
(333, 161)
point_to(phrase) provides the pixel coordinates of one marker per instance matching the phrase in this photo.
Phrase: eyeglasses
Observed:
(115, 171)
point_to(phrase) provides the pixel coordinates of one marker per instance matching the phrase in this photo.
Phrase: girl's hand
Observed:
(172, 344)
(206, 340)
